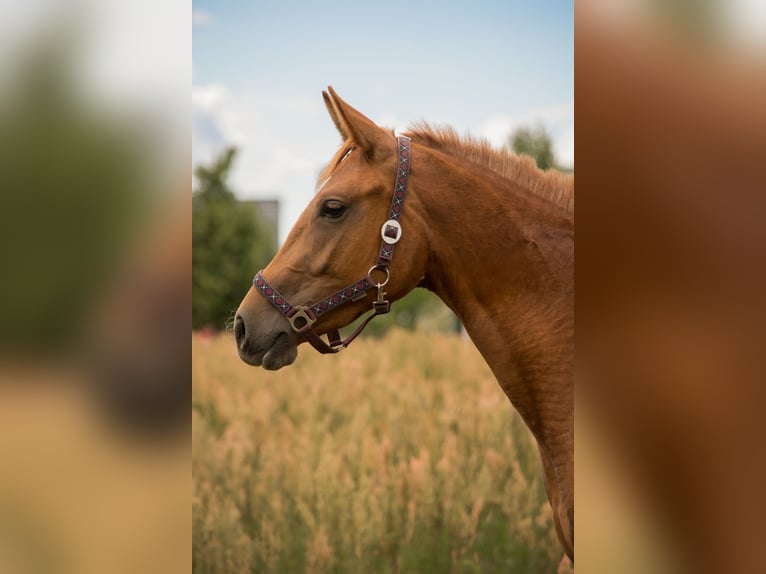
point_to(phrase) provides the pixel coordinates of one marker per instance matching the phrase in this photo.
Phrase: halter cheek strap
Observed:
(303, 317)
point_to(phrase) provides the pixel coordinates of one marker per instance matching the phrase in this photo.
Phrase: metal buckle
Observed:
(391, 232)
(301, 312)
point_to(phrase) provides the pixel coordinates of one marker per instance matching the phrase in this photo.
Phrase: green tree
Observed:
(536, 143)
(230, 242)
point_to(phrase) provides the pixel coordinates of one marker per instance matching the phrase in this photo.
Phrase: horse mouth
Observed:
(279, 353)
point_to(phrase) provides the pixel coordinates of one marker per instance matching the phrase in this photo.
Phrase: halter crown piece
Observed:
(303, 317)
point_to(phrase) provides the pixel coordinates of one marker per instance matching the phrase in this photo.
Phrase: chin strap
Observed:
(302, 317)
(334, 342)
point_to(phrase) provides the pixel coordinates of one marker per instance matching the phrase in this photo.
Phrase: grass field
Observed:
(400, 454)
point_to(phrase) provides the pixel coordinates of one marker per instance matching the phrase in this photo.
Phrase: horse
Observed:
(484, 229)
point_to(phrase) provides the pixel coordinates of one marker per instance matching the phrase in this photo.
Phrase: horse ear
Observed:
(355, 126)
(334, 115)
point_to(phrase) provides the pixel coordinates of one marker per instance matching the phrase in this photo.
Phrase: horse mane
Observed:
(551, 185)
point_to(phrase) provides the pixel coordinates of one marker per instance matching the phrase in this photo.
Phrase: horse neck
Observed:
(502, 259)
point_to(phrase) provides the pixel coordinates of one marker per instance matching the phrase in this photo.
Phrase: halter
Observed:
(302, 317)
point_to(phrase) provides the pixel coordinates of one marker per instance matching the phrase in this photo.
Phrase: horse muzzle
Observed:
(271, 350)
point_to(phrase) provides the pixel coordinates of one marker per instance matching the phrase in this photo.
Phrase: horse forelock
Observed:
(551, 185)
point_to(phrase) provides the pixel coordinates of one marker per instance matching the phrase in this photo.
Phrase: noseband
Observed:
(303, 317)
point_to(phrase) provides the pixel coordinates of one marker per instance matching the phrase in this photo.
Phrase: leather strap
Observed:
(397, 202)
(335, 344)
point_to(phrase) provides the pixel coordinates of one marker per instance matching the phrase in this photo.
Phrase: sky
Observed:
(259, 67)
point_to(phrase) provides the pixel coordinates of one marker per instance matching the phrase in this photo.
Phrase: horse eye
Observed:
(333, 209)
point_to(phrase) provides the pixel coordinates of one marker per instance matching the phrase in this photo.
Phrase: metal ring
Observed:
(376, 268)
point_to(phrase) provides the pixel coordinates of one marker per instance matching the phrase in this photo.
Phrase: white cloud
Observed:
(391, 120)
(271, 170)
(299, 104)
(209, 122)
(208, 97)
(200, 17)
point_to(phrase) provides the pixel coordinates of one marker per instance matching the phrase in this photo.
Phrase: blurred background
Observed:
(94, 298)
(670, 209)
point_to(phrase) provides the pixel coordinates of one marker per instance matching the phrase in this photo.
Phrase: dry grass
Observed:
(398, 455)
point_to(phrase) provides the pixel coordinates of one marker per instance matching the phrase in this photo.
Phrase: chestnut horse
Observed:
(487, 231)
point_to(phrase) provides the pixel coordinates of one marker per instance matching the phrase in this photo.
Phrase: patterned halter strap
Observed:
(303, 317)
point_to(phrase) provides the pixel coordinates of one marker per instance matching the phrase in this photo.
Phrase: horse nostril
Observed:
(239, 332)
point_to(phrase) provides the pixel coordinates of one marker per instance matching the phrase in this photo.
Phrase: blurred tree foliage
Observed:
(230, 242)
(75, 190)
(536, 143)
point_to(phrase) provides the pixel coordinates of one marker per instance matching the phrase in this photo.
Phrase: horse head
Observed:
(333, 253)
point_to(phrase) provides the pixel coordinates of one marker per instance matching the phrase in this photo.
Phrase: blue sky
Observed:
(482, 67)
